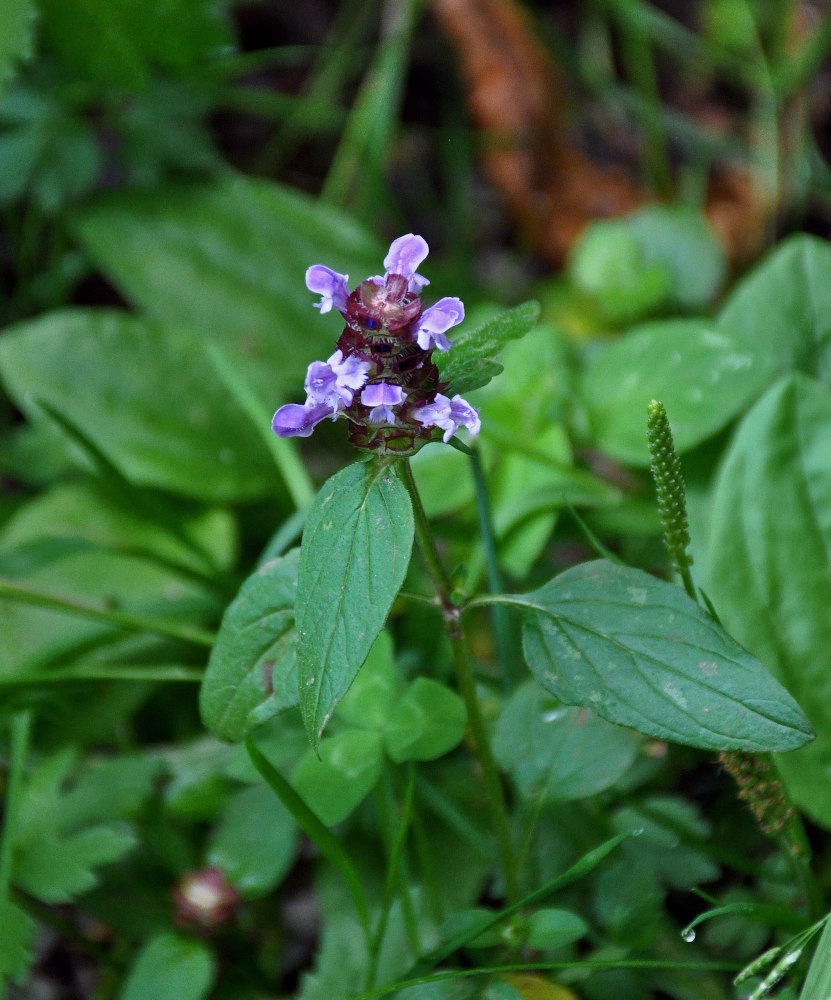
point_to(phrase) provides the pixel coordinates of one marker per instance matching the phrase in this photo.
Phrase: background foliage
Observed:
(632, 199)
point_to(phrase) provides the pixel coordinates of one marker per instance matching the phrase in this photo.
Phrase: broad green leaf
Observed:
(255, 840)
(769, 573)
(82, 515)
(145, 395)
(703, 377)
(170, 967)
(355, 552)
(639, 652)
(336, 783)
(783, 308)
(472, 360)
(428, 722)
(228, 259)
(251, 672)
(33, 638)
(17, 18)
(558, 753)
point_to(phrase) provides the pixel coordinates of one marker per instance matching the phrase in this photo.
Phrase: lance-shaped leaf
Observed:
(472, 360)
(640, 653)
(355, 553)
(252, 672)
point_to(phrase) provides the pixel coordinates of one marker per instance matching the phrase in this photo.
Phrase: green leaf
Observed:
(334, 785)
(132, 39)
(472, 360)
(18, 20)
(550, 928)
(608, 264)
(769, 571)
(57, 868)
(228, 260)
(170, 967)
(255, 841)
(558, 753)
(681, 239)
(355, 552)
(640, 653)
(145, 395)
(428, 722)
(17, 937)
(370, 700)
(695, 368)
(252, 673)
(783, 308)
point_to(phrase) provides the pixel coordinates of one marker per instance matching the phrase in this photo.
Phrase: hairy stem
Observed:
(467, 686)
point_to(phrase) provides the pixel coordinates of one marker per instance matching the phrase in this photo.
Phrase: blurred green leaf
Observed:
(693, 367)
(228, 259)
(17, 937)
(559, 753)
(355, 552)
(146, 396)
(170, 967)
(133, 39)
(640, 653)
(783, 308)
(428, 722)
(65, 832)
(18, 20)
(769, 563)
(550, 928)
(252, 673)
(255, 840)
(334, 785)
(608, 263)
(375, 691)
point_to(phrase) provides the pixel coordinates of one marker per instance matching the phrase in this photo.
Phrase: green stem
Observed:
(118, 619)
(501, 623)
(467, 687)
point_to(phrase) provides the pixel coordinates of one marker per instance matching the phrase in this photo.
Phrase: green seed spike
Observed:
(669, 487)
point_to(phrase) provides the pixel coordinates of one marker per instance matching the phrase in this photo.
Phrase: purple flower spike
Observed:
(329, 285)
(294, 420)
(436, 321)
(449, 415)
(381, 396)
(335, 381)
(405, 254)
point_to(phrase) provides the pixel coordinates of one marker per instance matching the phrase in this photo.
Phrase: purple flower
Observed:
(335, 381)
(381, 396)
(449, 415)
(294, 420)
(404, 256)
(434, 322)
(331, 286)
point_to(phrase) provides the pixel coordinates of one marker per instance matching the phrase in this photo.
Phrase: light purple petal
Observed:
(351, 372)
(436, 321)
(382, 394)
(404, 256)
(329, 285)
(449, 415)
(294, 420)
(464, 415)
